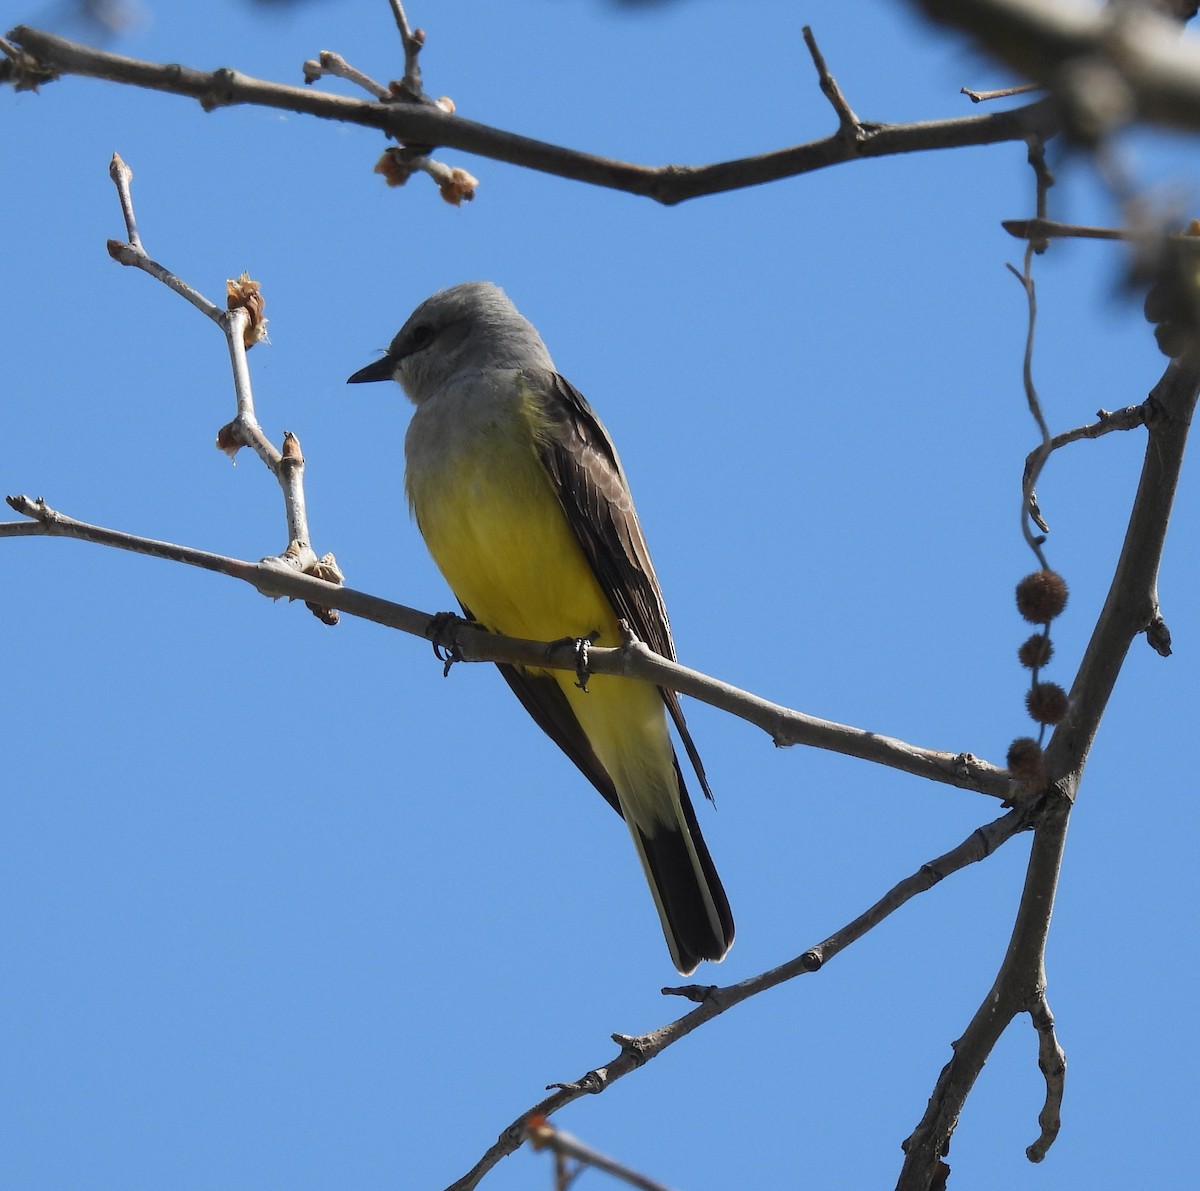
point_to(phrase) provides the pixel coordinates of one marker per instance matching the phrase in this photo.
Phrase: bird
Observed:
(522, 501)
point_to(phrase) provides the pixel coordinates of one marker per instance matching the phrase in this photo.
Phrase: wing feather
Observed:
(583, 463)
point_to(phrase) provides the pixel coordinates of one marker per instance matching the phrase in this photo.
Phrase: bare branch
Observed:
(1131, 608)
(243, 325)
(1129, 418)
(1132, 603)
(273, 577)
(849, 122)
(418, 124)
(713, 1000)
(1019, 987)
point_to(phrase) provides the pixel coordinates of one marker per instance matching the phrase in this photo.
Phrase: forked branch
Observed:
(430, 125)
(243, 325)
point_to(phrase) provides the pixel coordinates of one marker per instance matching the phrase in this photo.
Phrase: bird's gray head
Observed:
(471, 327)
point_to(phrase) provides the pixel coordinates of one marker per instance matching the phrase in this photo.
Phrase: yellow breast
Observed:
(493, 523)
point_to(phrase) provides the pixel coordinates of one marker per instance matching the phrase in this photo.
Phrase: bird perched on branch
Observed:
(523, 503)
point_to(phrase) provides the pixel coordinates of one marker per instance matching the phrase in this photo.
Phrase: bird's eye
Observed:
(422, 335)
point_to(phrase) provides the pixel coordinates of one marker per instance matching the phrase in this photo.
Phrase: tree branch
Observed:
(714, 1000)
(243, 325)
(468, 642)
(1131, 608)
(1129, 418)
(430, 126)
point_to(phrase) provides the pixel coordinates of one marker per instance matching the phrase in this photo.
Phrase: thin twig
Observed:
(845, 113)
(544, 1136)
(474, 644)
(1029, 505)
(122, 176)
(1129, 418)
(412, 41)
(398, 165)
(329, 63)
(242, 325)
(1001, 93)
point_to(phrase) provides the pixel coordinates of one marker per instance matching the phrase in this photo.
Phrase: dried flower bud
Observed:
(1046, 702)
(326, 568)
(227, 440)
(1036, 652)
(459, 187)
(1025, 760)
(446, 104)
(327, 616)
(1041, 596)
(246, 294)
(395, 168)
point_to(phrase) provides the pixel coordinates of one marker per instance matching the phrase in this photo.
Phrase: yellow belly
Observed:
(500, 537)
(492, 522)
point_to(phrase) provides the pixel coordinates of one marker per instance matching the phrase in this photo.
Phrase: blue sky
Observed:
(285, 909)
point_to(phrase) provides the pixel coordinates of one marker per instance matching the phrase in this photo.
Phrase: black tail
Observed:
(691, 901)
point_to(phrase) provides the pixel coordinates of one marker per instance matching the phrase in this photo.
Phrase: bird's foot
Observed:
(441, 636)
(582, 646)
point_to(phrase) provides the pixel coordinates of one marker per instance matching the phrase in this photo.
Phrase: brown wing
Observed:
(543, 698)
(582, 461)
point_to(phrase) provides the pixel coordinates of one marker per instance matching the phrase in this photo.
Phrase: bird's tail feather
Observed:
(692, 905)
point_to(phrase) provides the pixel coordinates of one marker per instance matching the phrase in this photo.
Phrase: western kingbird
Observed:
(522, 501)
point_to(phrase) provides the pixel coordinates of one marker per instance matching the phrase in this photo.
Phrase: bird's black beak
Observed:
(381, 370)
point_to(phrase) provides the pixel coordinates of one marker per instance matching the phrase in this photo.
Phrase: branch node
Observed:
(700, 993)
(36, 508)
(1158, 636)
(592, 1084)
(636, 1048)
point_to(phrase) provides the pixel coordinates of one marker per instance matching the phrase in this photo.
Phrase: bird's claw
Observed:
(583, 646)
(441, 634)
